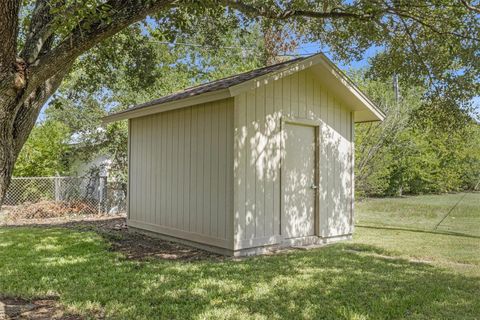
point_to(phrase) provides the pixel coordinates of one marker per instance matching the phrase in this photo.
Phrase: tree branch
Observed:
(400, 13)
(339, 13)
(120, 15)
(280, 14)
(416, 51)
(469, 6)
(9, 10)
(39, 31)
(28, 112)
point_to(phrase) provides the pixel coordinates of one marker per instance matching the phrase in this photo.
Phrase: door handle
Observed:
(314, 187)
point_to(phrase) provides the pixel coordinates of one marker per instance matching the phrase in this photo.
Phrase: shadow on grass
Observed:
(330, 283)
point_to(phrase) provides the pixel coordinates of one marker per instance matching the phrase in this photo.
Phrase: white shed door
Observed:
(298, 181)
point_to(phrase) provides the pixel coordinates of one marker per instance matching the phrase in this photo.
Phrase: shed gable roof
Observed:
(231, 86)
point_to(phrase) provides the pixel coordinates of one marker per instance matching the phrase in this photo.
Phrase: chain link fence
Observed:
(36, 198)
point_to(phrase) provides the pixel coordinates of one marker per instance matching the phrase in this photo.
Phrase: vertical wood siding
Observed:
(181, 173)
(257, 149)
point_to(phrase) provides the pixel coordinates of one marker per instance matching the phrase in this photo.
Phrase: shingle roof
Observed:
(220, 84)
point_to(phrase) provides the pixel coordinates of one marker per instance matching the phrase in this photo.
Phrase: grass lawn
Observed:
(404, 227)
(423, 212)
(379, 275)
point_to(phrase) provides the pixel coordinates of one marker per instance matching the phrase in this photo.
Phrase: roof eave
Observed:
(369, 105)
(167, 106)
(370, 112)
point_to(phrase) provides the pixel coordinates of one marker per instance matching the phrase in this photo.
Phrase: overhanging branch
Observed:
(469, 6)
(8, 33)
(39, 31)
(280, 14)
(122, 14)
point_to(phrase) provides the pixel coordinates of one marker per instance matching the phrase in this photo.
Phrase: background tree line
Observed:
(413, 151)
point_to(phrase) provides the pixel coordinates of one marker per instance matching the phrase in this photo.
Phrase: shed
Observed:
(257, 160)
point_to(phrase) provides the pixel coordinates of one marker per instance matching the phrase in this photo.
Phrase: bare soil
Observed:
(37, 309)
(46, 209)
(132, 244)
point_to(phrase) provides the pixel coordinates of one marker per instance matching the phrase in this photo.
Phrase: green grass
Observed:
(379, 275)
(456, 253)
(405, 227)
(423, 212)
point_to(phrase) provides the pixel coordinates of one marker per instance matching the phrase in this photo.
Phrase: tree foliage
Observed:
(408, 154)
(432, 44)
(45, 154)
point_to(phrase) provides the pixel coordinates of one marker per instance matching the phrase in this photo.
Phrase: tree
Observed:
(45, 152)
(42, 39)
(409, 153)
(374, 141)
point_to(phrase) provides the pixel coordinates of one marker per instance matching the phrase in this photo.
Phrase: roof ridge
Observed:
(238, 75)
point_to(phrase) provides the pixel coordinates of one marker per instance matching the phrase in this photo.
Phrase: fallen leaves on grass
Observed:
(49, 209)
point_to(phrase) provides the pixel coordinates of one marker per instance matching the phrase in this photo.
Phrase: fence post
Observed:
(57, 188)
(102, 197)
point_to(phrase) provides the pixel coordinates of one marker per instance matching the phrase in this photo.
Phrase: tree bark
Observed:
(12, 82)
(7, 159)
(14, 132)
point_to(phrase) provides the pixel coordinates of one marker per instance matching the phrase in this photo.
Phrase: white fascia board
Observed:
(350, 85)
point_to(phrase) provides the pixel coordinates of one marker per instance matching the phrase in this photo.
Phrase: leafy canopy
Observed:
(433, 43)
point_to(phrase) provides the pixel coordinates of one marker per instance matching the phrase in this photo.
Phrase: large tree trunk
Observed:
(12, 83)
(8, 104)
(18, 113)
(7, 156)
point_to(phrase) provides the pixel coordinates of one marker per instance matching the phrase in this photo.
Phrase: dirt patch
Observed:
(49, 209)
(139, 246)
(37, 309)
(133, 245)
(68, 221)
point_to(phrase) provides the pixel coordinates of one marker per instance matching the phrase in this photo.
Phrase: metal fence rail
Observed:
(51, 197)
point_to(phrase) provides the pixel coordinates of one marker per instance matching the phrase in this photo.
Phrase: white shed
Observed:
(258, 160)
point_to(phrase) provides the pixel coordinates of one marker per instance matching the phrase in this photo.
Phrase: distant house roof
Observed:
(220, 89)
